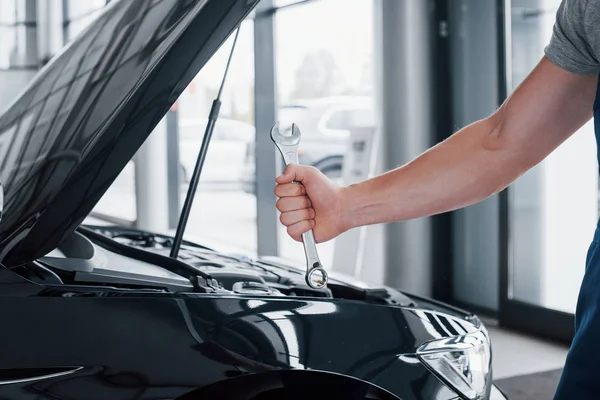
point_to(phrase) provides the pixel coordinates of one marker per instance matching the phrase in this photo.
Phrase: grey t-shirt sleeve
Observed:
(575, 32)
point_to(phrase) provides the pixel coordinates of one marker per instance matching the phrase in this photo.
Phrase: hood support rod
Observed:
(189, 198)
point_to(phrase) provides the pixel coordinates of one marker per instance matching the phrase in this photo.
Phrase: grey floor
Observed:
(516, 354)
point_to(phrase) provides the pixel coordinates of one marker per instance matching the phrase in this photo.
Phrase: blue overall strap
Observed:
(581, 376)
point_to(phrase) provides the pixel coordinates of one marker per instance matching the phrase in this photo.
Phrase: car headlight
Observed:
(462, 362)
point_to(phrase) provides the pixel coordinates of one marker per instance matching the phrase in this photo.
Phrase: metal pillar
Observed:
(151, 188)
(474, 43)
(442, 225)
(265, 115)
(404, 89)
(173, 167)
(30, 44)
(66, 21)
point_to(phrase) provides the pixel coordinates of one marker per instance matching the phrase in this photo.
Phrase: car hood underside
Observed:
(70, 133)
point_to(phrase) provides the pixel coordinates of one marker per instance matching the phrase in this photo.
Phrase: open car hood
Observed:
(70, 133)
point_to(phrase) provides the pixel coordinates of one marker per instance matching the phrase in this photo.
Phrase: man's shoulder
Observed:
(575, 42)
(591, 12)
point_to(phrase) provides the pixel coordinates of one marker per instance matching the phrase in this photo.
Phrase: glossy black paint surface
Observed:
(67, 137)
(134, 346)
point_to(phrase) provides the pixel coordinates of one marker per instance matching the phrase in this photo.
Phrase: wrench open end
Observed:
(275, 132)
(285, 140)
(296, 131)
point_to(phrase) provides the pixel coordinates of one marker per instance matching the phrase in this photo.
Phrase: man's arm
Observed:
(483, 158)
(474, 163)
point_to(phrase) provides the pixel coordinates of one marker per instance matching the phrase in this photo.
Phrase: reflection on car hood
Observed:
(73, 129)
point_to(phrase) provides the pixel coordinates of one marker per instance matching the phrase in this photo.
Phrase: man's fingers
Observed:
(285, 204)
(296, 230)
(289, 190)
(293, 217)
(293, 172)
(295, 207)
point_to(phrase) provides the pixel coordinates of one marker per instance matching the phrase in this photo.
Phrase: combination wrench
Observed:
(316, 276)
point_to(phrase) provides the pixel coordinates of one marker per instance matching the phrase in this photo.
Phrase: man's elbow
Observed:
(494, 137)
(505, 157)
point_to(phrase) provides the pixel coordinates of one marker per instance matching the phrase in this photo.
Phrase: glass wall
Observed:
(18, 32)
(8, 14)
(325, 86)
(18, 47)
(554, 207)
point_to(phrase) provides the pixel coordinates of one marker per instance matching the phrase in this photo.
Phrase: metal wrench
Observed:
(316, 276)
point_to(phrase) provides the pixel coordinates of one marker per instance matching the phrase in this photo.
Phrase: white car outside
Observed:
(226, 152)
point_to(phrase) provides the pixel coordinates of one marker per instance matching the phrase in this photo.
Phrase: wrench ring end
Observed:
(318, 281)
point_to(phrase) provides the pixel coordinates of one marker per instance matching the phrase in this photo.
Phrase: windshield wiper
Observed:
(189, 198)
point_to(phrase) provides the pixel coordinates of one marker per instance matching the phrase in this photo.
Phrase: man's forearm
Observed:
(468, 167)
(483, 158)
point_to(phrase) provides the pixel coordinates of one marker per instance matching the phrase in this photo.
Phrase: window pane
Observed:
(7, 45)
(119, 199)
(325, 86)
(78, 8)
(16, 46)
(8, 12)
(554, 207)
(78, 25)
(21, 11)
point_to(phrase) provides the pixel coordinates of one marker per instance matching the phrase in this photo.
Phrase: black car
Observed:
(91, 312)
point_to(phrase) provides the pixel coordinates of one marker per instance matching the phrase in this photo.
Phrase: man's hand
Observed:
(316, 204)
